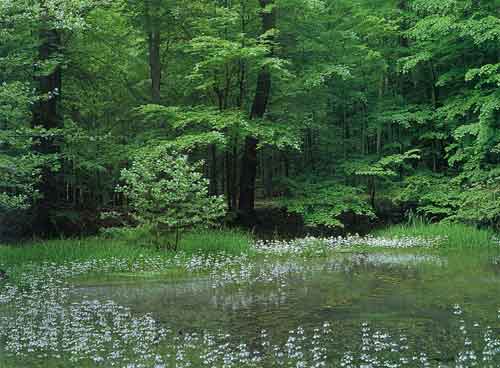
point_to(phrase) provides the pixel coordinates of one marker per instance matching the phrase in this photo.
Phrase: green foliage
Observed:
(217, 241)
(324, 73)
(452, 236)
(480, 205)
(323, 204)
(123, 244)
(168, 193)
(433, 196)
(398, 98)
(388, 166)
(20, 168)
(438, 198)
(21, 164)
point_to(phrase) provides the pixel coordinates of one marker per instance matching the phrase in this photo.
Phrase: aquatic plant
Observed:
(43, 317)
(452, 235)
(297, 246)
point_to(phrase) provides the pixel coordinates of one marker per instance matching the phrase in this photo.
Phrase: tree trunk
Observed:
(286, 164)
(248, 176)
(227, 179)
(259, 107)
(47, 115)
(373, 190)
(154, 41)
(234, 176)
(213, 190)
(268, 172)
(379, 141)
(403, 8)
(434, 89)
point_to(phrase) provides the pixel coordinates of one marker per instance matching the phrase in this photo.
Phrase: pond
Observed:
(299, 306)
(424, 297)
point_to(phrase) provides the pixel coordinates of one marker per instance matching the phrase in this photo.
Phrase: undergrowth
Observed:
(126, 244)
(451, 235)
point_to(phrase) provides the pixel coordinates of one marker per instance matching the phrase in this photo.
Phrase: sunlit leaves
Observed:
(220, 59)
(439, 198)
(324, 73)
(19, 167)
(482, 30)
(169, 193)
(387, 166)
(324, 203)
(445, 31)
(486, 74)
(409, 63)
(434, 6)
(409, 117)
(57, 14)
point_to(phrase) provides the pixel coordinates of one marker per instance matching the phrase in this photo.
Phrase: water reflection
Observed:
(393, 290)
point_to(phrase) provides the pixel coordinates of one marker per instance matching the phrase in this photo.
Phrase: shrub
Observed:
(437, 198)
(168, 193)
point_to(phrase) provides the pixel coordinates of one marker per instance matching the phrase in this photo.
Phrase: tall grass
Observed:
(452, 235)
(212, 241)
(66, 250)
(125, 245)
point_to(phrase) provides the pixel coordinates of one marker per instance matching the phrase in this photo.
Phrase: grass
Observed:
(67, 250)
(453, 235)
(126, 245)
(130, 244)
(210, 241)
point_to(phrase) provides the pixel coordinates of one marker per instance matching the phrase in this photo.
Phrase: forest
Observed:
(249, 183)
(373, 109)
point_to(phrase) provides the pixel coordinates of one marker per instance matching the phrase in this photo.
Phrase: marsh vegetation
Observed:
(352, 301)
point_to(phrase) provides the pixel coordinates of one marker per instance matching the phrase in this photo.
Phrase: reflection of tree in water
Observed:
(400, 292)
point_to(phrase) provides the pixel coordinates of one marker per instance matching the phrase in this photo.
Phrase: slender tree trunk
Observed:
(154, 41)
(434, 89)
(403, 8)
(286, 164)
(373, 190)
(47, 115)
(259, 107)
(379, 140)
(248, 176)
(227, 179)
(234, 176)
(381, 92)
(213, 170)
(177, 238)
(434, 156)
(268, 173)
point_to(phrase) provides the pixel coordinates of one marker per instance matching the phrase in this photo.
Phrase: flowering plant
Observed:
(168, 193)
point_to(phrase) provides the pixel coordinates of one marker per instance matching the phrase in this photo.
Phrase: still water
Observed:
(404, 293)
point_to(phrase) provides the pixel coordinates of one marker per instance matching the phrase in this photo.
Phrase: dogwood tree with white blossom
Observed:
(168, 193)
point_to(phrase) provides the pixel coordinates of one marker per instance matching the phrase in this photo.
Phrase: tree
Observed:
(150, 16)
(385, 168)
(259, 107)
(47, 114)
(32, 36)
(324, 204)
(168, 193)
(334, 98)
(26, 158)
